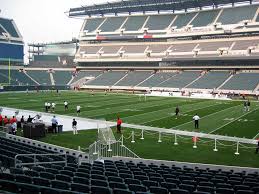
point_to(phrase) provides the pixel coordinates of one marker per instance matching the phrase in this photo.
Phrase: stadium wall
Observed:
(11, 51)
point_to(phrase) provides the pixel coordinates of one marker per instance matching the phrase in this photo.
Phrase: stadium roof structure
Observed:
(131, 6)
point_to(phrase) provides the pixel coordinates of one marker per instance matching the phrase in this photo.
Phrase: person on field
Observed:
(46, 106)
(78, 109)
(49, 106)
(177, 111)
(245, 106)
(54, 123)
(248, 105)
(74, 126)
(196, 119)
(53, 105)
(66, 105)
(119, 122)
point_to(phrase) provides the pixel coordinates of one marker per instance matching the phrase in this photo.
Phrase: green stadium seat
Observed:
(118, 185)
(158, 190)
(10, 186)
(81, 180)
(29, 188)
(100, 190)
(80, 188)
(47, 175)
(41, 181)
(60, 185)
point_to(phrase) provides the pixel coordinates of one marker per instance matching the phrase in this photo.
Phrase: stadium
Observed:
(153, 96)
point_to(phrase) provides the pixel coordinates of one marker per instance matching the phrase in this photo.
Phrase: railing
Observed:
(98, 151)
(35, 162)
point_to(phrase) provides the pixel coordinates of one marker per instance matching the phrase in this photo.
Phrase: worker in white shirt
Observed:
(66, 105)
(49, 106)
(53, 105)
(78, 109)
(196, 119)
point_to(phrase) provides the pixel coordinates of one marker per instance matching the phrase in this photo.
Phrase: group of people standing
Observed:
(50, 107)
(10, 123)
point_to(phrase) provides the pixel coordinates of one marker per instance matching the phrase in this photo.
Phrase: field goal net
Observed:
(105, 135)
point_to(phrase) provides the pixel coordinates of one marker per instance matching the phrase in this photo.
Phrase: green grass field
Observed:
(217, 117)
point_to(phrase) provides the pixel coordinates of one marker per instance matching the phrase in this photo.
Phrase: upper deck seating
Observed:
(237, 14)
(9, 27)
(159, 22)
(112, 24)
(92, 24)
(204, 18)
(183, 19)
(134, 23)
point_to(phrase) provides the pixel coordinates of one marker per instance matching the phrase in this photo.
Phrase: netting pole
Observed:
(132, 140)
(159, 138)
(79, 148)
(122, 140)
(237, 153)
(109, 144)
(9, 72)
(142, 134)
(194, 144)
(95, 152)
(215, 145)
(175, 139)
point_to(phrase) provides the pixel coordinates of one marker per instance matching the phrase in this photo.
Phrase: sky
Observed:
(44, 20)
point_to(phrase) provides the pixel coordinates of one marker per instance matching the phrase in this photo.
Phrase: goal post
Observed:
(7, 76)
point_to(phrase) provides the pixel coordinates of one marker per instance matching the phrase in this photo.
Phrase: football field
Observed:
(217, 116)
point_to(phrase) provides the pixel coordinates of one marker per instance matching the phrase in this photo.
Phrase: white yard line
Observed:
(136, 104)
(206, 116)
(158, 110)
(182, 113)
(233, 121)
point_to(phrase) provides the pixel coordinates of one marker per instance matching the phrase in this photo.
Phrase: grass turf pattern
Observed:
(217, 117)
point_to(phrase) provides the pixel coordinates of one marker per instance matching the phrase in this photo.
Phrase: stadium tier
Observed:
(164, 23)
(11, 45)
(158, 51)
(210, 80)
(120, 177)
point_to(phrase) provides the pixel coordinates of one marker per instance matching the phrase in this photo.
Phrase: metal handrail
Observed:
(16, 163)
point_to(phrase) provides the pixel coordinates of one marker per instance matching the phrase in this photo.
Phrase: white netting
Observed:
(106, 136)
